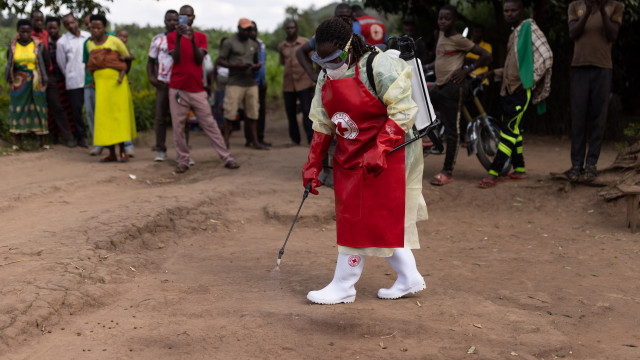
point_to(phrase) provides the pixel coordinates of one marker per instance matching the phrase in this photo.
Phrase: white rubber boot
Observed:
(409, 278)
(341, 289)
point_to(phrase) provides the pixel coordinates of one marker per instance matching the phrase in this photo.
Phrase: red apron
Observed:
(369, 210)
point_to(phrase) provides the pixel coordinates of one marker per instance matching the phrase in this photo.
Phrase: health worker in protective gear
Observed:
(378, 194)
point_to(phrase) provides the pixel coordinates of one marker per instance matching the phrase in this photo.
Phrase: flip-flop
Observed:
(515, 177)
(441, 179)
(124, 157)
(485, 183)
(231, 164)
(108, 158)
(181, 168)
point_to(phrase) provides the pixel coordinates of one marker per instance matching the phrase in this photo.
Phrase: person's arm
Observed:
(611, 28)
(302, 54)
(8, 71)
(198, 53)
(45, 57)
(175, 50)
(576, 26)
(223, 58)
(281, 55)
(152, 71)
(484, 59)
(61, 57)
(391, 78)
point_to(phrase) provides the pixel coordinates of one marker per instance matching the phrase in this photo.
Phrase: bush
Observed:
(144, 107)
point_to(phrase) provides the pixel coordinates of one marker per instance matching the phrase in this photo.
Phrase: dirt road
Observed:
(98, 265)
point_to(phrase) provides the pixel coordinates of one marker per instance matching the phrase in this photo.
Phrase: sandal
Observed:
(231, 164)
(516, 176)
(486, 183)
(108, 158)
(441, 179)
(181, 169)
(124, 157)
(260, 147)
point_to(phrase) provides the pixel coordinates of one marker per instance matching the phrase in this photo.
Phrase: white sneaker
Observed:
(96, 150)
(130, 152)
(409, 278)
(341, 289)
(191, 162)
(160, 156)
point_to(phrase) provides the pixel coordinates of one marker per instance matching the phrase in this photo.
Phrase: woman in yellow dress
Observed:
(26, 72)
(114, 118)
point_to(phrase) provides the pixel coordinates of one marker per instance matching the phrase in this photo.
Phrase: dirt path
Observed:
(98, 265)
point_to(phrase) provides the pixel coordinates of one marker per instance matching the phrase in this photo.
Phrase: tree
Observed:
(22, 7)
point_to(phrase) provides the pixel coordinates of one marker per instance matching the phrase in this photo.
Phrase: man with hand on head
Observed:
(186, 91)
(593, 26)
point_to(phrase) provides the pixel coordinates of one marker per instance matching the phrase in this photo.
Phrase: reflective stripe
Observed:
(494, 173)
(508, 138)
(518, 169)
(505, 149)
(370, 21)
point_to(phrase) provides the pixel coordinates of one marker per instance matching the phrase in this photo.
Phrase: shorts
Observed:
(246, 95)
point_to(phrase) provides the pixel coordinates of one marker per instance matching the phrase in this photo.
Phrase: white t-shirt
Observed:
(158, 50)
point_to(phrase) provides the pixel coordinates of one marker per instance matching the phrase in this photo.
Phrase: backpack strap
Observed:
(370, 72)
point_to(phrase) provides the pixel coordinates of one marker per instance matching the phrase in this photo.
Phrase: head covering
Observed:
(244, 23)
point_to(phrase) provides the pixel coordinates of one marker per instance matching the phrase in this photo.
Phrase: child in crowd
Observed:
(451, 82)
(123, 35)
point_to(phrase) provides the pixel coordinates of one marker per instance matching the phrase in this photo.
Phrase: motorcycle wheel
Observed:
(488, 140)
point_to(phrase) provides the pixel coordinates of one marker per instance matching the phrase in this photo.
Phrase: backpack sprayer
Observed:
(426, 123)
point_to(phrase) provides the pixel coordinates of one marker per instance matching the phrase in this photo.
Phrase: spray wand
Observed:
(307, 189)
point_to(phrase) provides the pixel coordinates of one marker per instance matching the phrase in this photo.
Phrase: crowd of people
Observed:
(356, 100)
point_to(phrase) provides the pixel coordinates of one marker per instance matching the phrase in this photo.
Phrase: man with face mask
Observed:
(239, 53)
(58, 120)
(186, 91)
(261, 80)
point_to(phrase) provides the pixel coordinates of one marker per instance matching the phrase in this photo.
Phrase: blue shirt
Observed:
(261, 75)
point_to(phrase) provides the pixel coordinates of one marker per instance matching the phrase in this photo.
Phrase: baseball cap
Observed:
(244, 23)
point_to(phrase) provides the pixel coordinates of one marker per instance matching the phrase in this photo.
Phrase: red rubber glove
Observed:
(390, 136)
(311, 169)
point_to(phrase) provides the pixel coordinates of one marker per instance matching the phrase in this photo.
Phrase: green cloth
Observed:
(525, 61)
(525, 55)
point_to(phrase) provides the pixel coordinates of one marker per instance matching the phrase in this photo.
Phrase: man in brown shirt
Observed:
(296, 83)
(593, 26)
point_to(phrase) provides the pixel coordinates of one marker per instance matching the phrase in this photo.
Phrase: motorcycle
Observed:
(483, 132)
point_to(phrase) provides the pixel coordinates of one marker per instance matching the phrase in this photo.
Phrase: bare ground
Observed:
(97, 265)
